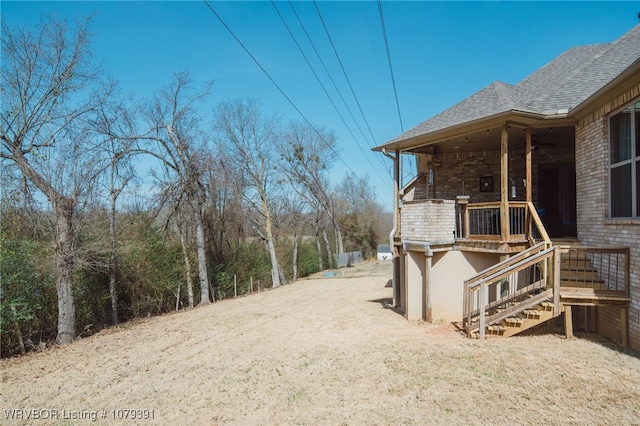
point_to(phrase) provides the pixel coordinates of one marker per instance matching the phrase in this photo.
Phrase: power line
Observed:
(323, 87)
(393, 80)
(335, 86)
(343, 70)
(271, 79)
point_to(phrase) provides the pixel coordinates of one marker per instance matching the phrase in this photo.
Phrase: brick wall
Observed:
(459, 173)
(594, 227)
(432, 220)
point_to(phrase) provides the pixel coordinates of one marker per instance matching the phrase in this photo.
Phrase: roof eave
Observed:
(514, 116)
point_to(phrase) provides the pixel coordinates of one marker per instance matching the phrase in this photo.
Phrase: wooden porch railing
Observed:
(596, 268)
(481, 221)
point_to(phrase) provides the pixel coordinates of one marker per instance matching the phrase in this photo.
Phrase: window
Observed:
(624, 169)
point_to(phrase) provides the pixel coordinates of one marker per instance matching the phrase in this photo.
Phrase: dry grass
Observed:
(324, 351)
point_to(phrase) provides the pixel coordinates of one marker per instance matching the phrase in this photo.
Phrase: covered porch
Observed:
(471, 204)
(479, 202)
(499, 189)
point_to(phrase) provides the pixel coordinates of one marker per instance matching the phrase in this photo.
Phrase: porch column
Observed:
(504, 184)
(528, 182)
(528, 153)
(427, 291)
(415, 285)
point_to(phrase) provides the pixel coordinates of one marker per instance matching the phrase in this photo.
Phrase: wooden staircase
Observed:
(541, 283)
(513, 295)
(523, 320)
(576, 272)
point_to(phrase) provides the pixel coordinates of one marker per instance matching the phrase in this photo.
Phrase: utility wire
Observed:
(343, 70)
(335, 86)
(271, 79)
(323, 87)
(382, 86)
(393, 80)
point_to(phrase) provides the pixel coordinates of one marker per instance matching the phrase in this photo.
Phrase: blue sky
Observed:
(441, 53)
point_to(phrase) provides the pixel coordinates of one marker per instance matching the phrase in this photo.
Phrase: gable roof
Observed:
(553, 91)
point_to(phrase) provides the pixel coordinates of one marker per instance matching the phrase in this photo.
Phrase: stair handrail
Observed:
(535, 220)
(497, 272)
(473, 281)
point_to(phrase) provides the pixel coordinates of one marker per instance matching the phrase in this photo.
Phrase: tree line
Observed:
(234, 201)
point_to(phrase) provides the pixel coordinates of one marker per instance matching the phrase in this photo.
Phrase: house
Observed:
(526, 202)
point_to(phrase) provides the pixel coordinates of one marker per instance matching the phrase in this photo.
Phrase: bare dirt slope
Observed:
(320, 351)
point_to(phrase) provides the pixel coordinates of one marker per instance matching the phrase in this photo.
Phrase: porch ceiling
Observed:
(489, 140)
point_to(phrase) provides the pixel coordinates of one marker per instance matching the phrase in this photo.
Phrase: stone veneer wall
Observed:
(594, 226)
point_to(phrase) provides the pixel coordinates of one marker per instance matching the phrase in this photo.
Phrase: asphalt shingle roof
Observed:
(562, 84)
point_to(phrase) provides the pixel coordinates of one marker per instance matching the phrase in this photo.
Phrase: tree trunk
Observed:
(319, 246)
(187, 263)
(18, 331)
(339, 245)
(283, 278)
(328, 247)
(295, 258)
(112, 258)
(202, 262)
(64, 209)
(270, 243)
(274, 262)
(64, 260)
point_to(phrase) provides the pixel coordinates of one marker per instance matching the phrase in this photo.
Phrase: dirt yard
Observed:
(320, 351)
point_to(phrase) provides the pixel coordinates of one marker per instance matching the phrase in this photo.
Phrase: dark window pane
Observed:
(621, 191)
(620, 136)
(638, 189)
(637, 108)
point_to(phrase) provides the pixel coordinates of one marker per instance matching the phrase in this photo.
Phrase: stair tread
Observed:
(547, 305)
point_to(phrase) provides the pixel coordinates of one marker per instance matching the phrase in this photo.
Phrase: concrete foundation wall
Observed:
(443, 284)
(449, 271)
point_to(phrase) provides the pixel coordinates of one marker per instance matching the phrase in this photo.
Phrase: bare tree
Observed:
(294, 222)
(180, 218)
(49, 87)
(226, 224)
(363, 219)
(114, 123)
(182, 228)
(181, 146)
(250, 141)
(307, 156)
